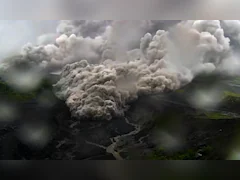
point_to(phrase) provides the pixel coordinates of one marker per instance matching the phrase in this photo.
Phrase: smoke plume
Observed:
(108, 64)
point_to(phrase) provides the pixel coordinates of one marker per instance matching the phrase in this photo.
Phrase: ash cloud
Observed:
(103, 91)
(95, 41)
(108, 64)
(84, 28)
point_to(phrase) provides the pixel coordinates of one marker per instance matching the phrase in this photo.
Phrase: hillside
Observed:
(164, 126)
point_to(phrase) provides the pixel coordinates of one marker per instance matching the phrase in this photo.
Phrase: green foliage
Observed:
(236, 80)
(215, 116)
(188, 154)
(160, 154)
(180, 91)
(231, 94)
(13, 94)
(207, 150)
(231, 97)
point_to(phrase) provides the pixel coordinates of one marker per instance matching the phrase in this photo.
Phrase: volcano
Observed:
(160, 126)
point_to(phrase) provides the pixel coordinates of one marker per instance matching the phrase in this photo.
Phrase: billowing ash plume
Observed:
(199, 46)
(232, 30)
(164, 61)
(111, 63)
(95, 41)
(103, 91)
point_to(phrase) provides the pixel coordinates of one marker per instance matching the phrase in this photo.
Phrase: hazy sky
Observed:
(16, 33)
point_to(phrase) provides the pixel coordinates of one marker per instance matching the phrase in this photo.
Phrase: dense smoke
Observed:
(103, 91)
(84, 28)
(108, 64)
(94, 41)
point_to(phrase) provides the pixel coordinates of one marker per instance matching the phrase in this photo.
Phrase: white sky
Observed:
(15, 33)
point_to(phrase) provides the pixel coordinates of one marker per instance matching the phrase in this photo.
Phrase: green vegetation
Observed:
(215, 116)
(161, 155)
(188, 154)
(236, 80)
(207, 150)
(231, 97)
(231, 94)
(180, 91)
(12, 94)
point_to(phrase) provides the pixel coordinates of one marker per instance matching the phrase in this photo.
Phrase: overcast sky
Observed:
(16, 33)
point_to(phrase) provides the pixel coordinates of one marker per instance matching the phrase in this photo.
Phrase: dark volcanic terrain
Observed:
(163, 126)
